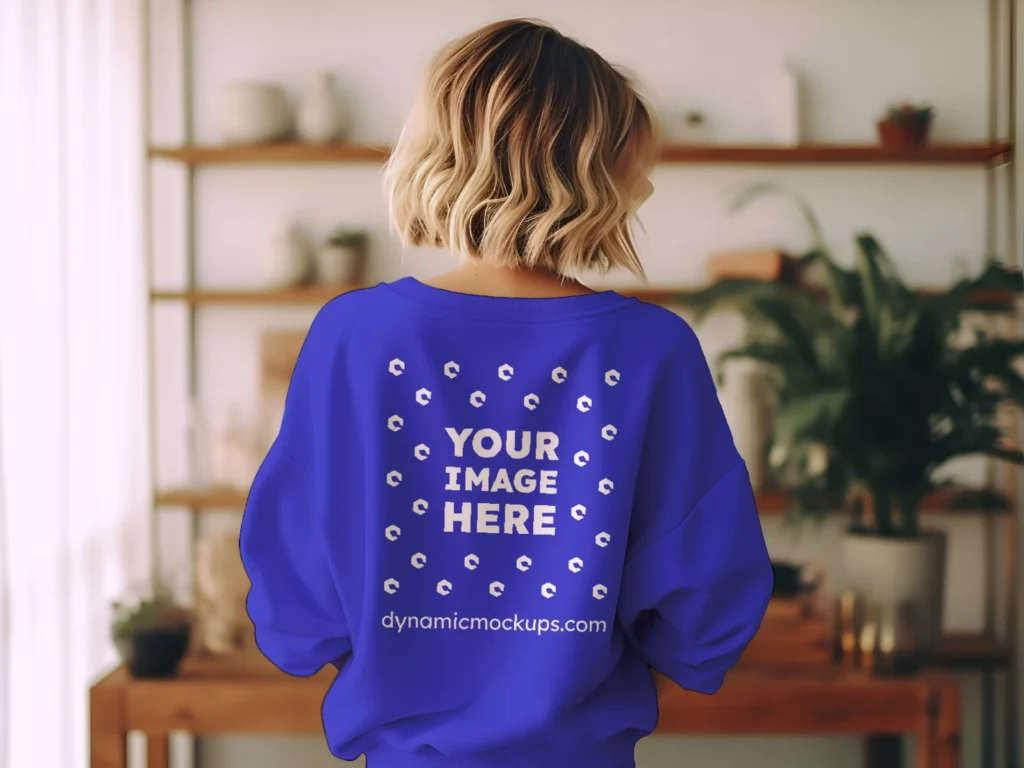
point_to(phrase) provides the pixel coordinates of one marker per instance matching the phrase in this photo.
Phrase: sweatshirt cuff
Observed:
(276, 651)
(700, 681)
(706, 677)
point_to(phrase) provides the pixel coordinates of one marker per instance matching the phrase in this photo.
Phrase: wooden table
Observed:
(828, 701)
(249, 696)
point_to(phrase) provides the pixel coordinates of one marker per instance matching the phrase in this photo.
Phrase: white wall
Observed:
(856, 55)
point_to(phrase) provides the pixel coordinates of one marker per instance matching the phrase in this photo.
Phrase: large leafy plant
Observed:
(873, 385)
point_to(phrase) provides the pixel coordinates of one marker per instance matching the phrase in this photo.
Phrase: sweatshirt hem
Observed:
(611, 753)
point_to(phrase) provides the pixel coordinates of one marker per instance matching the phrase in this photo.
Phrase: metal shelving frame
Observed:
(1003, 536)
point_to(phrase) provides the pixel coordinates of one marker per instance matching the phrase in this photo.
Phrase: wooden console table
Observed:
(249, 696)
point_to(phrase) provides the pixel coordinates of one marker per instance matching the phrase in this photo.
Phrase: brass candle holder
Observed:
(875, 637)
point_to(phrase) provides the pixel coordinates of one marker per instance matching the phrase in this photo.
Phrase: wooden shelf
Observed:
(822, 154)
(830, 154)
(202, 500)
(272, 153)
(314, 295)
(318, 295)
(993, 301)
(769, 503)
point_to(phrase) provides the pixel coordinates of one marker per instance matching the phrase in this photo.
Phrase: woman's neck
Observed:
(476, 277)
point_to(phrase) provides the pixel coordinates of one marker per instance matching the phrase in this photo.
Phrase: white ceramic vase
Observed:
(782, 96)
(253, 113)
(321, 118)
(271, 418)
(337, 264)
(234, 457)
(288, 258)
(743, 401)
(893, 572)
(199, 441)
(221, 587)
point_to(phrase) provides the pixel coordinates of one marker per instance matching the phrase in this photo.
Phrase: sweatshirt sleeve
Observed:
(697, 576)
(293, 602)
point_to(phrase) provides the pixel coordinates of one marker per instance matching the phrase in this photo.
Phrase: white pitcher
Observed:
(321, 117)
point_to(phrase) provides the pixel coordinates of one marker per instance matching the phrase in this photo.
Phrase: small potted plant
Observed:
(342, 259)
(905, 125)
(152, 634)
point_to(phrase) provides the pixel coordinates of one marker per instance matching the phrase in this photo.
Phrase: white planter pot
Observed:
(337, 264)
(743, 402)
(253, 113)
(234, 455)
(894, 572)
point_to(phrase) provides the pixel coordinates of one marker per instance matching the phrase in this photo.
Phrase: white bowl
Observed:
(253, 113)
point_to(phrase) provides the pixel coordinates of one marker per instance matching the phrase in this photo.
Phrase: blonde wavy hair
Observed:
(526, 149)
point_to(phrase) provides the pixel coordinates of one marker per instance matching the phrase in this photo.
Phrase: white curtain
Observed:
(74, 493)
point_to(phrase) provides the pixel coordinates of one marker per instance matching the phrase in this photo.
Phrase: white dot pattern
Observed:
(421, 452)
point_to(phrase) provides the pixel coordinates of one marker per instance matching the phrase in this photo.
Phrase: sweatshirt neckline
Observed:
(508, 308)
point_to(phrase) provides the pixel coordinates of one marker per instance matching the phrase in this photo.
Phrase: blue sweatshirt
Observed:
(494, 516)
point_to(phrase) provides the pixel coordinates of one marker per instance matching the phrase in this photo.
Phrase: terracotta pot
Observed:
(904, 134)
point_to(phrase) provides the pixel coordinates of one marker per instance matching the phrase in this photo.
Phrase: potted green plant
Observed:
(875, 391)
(152, 634)
(905, 125)
(342, 259)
